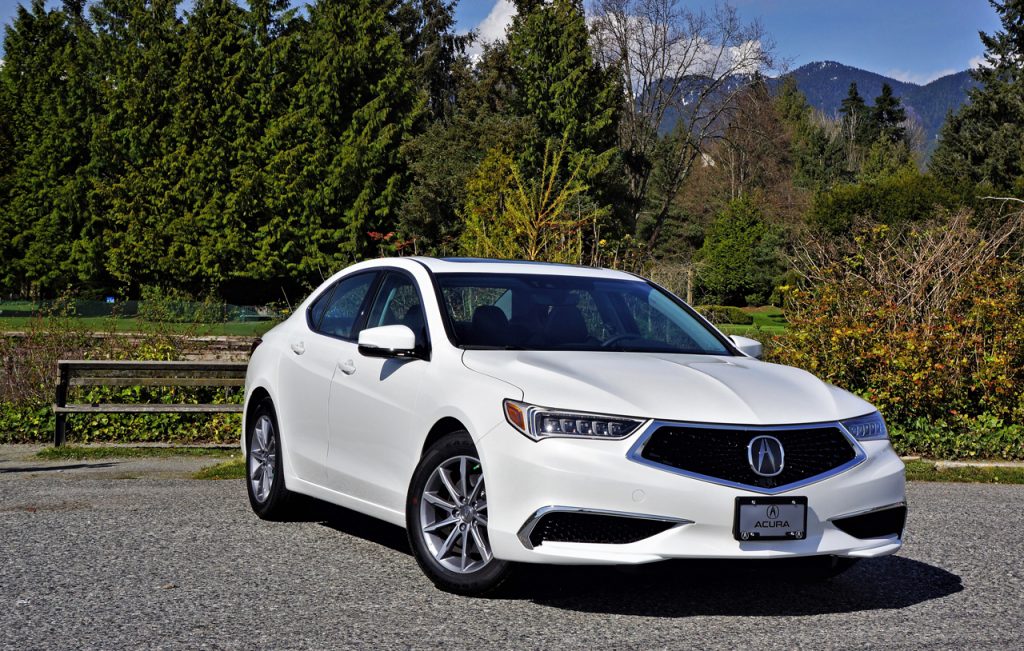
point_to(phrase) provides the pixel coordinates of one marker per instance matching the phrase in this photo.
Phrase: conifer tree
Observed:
(888, 116)
(556, 82)
(51, 103)
(140, 46)
(338, 174)
(981, 143)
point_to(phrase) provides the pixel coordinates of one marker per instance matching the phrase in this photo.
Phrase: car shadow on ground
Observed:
(687, 588)
(347, 521)
(51, 468)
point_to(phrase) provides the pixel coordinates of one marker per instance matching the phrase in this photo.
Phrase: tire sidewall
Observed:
(479, 582)
(273, 506)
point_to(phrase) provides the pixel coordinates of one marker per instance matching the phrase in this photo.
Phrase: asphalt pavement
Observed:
(96, 555)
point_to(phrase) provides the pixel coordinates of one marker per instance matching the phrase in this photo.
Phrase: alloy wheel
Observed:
(453, 515)
(262, 458)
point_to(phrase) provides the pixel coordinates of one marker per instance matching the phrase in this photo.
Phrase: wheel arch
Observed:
(442, 428)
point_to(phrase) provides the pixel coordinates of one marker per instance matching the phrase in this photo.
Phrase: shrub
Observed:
(727, 314)
(175, 306)
(925, 322)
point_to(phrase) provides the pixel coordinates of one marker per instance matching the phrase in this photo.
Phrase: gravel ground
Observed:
(91, 560)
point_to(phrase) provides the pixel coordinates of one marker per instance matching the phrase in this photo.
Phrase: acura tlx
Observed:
(509, 412)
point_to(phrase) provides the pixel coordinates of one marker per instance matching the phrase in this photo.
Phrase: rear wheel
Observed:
(446, 516)
(263, 469)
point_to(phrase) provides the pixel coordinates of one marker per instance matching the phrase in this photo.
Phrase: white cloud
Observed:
(919, 78)
(492, 27)
(976, 62)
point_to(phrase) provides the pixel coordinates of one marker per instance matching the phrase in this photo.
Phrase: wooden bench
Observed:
(128, 373)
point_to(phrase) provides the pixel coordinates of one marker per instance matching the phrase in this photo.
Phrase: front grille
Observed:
(595, 528)
(722, 453)
(877, 524)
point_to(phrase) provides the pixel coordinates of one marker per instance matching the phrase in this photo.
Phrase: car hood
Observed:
(699, 388)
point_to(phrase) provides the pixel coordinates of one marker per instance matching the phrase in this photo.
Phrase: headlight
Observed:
(541, 423)
(867, 428)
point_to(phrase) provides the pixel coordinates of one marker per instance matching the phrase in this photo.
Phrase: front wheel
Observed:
(446, 517)
(815, 569)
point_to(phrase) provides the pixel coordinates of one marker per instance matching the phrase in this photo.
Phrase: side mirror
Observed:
(388, 341)
(747, 346)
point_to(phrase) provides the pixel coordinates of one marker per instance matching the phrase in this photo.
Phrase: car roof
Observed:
(491, 265)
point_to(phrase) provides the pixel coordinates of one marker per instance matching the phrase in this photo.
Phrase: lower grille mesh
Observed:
(595, 528)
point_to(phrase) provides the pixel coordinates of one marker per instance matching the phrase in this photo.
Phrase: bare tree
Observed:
(675, 64)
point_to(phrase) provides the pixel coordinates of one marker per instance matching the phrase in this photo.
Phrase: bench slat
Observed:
(157, 381)
(158, 408)
(111, 364)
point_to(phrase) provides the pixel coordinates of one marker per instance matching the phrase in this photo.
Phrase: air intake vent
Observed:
(595, 528)
(877, 524)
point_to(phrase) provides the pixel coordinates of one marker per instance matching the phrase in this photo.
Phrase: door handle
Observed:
(298, 347)
(348, 367)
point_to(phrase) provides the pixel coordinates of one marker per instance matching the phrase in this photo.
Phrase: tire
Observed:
(448, 530)
(264, 472)
(822, 568)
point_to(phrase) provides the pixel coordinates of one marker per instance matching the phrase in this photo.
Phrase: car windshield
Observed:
(552, 312)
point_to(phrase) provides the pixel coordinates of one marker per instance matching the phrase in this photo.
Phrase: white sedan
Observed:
(508, 412)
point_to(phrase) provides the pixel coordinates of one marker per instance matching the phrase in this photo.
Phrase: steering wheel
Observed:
(616, 338)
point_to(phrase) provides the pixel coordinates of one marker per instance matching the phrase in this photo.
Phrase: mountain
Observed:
(825, 84)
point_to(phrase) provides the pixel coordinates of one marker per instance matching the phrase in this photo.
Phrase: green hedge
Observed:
(727, 314)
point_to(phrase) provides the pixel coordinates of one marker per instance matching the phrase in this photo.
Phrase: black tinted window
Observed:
(345, 305)
(541, 312)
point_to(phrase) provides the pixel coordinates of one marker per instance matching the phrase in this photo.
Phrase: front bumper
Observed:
(526, 477)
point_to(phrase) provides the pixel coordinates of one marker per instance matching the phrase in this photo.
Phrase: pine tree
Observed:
(140, 46)
(338, 173)
(206, 228)
(51, 104)
(428, 28)
(981, 143)
(888, 116)
(818, 160)
(739, 258)
(556, 81)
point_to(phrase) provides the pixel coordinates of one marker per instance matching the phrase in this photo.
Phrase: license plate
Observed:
(770, 518)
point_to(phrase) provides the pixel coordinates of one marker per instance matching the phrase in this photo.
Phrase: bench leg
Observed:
(60, 430)
(61, 420)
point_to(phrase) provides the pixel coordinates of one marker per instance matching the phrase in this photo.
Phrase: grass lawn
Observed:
(79, 453)
(103, 324)
(233, 469)
(768, 320)
(922, 470)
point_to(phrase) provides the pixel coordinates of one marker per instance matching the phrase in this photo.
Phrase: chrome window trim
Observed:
(531, 522)
(635, 451)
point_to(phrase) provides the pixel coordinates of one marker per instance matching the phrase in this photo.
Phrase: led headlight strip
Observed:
(540, 423)
(867, 428)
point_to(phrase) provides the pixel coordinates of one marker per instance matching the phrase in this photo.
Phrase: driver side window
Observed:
(398, 303)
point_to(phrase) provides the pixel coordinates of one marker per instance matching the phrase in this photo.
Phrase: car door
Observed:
(308, 368)
(373, 404)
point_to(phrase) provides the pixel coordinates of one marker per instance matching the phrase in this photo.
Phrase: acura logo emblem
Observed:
(765, 455)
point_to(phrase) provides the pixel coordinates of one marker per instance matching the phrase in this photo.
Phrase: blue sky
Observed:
(912, 40)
